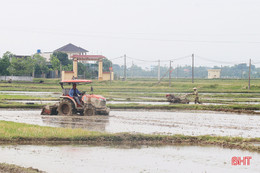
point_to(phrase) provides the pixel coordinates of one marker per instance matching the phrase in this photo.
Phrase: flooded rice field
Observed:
(31, 93)
(149, 122)
(128, 102)
(34, 101)
(108, 102)
(128, 159)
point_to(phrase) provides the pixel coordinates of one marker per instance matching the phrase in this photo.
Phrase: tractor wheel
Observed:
(89, 110)
(66, 108)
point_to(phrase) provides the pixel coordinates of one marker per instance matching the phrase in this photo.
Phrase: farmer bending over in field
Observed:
(74, 93)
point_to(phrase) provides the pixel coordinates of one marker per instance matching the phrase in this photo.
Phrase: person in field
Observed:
(74, 92)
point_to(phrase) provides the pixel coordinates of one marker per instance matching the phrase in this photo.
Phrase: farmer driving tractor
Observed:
(74, 93)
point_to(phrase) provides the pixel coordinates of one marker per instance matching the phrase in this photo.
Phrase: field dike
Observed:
(9, 168)
(235, 108)
(24, 134)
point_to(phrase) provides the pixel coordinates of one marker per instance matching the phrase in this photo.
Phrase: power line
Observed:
(215, 61)
(116, 58)
(140, 59)
(255, 62)
(180, 58)
(175, 59)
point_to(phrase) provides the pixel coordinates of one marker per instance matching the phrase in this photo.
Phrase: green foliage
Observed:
(5, 63)
(55, 62)
(62, 57)
(106, 64)
(40, 66)
(21, 66)
(68, 67)
(81, 68)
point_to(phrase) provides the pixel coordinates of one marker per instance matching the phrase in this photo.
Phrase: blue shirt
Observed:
(71, 93)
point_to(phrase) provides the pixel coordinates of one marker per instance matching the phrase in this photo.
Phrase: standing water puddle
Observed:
(126, 159)
(149, 122)
(31, 93)
(34, 101)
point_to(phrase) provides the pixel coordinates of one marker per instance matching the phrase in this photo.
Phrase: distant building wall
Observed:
(46, 55)
(106, 75)
(17, 78)
(67, 75)
(214, 73)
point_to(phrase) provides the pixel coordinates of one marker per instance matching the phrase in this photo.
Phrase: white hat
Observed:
(195, 88)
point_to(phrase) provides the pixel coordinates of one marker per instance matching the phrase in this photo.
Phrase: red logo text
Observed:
(241, 160)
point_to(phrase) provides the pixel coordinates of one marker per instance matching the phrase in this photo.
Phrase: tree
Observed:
(62, 57)
(55, 62)
(5, 63)
(81, 68)
(40, 65)
(69, 67)
(106, 64)
(21, 66)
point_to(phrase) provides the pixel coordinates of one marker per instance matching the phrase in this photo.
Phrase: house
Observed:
(71, 50)
(214, 73)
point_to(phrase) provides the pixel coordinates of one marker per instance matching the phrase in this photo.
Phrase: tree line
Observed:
(38, 66)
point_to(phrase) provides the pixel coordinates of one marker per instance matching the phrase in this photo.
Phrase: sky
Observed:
(218, 32)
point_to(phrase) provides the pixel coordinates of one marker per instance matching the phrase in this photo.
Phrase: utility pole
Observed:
(125, 68)
(170, 70)
(33, 73)
(159, 71)
(177, 72)
(60, 71)
(249, 74)
(220, 72)
(132, 71)
(192, 68)
(110, 69)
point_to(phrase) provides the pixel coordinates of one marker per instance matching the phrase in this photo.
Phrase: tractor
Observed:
(91, 104)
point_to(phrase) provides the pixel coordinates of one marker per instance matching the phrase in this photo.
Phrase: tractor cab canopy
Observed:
(65, 91)
(74, 81)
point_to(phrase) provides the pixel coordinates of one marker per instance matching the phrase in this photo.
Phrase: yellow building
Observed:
(214, 73)
(67, 75)
(106, 75)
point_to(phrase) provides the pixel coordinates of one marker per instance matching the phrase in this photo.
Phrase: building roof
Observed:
(214, 70)
(21, 56)
(71, 48)
(88, 57)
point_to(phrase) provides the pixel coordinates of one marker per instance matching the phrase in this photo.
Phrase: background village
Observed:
(72, 61)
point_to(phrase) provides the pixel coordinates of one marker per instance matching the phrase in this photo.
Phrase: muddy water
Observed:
(34, 101)
(126, 159)
(154, 103)
(49, 94)
(149, 122)
(147, 103)
(127, 102)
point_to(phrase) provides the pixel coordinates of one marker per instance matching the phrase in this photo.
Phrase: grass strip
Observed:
(20, 133)
(226, 108)
(10, 168)
(237, 108)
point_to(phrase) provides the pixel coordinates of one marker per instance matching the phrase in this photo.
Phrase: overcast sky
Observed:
(226, 31)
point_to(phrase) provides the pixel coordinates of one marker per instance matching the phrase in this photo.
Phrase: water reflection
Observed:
(93, 123)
